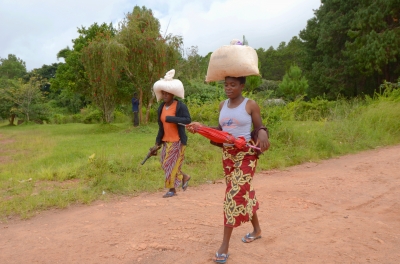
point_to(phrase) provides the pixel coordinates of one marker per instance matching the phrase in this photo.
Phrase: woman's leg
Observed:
(256, 226)
(223, 249)
(171, 161)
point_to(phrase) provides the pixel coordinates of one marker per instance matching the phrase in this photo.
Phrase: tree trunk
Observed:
(108, 116)
(148, 109)
(11, 119)
(140, 105)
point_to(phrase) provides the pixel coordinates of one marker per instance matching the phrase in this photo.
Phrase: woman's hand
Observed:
(262, 140)
(154, 149)
(192, 127)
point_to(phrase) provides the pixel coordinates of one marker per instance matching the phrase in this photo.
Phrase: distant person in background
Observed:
(135, 110)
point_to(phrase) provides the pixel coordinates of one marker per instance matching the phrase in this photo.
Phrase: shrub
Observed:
(120, 117)
(91, 115)
(200, 93)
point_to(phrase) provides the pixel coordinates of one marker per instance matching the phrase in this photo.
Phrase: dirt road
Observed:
(343, 210)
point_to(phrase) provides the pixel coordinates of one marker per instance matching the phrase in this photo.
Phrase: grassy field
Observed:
(44, 166)
(54, 166)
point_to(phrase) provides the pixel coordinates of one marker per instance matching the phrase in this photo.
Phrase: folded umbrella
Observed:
(219, 136)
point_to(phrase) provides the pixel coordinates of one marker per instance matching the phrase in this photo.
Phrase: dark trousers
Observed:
(135, 118)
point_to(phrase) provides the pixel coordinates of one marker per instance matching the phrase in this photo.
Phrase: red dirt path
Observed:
(343, 210)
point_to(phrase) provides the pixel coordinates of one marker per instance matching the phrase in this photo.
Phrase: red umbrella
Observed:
(219, 136)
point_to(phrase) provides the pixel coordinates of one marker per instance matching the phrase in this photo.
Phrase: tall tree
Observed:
(150, 55)
(190, 67)
(12, 67)
(71, 75)
(104, 60)
(374, 45)
(324, 39)
(352, 46)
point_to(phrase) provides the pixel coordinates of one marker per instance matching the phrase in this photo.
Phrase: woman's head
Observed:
(167, 97)
(234, 86)
(170, 85)
(242, 79)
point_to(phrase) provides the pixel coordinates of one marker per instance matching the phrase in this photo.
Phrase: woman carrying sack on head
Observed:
(237, 116)
(171, 136)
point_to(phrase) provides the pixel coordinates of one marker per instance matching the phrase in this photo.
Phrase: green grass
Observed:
(45, 166)
(49, 166)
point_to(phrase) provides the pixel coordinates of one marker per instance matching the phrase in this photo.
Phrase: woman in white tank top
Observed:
(237, 115)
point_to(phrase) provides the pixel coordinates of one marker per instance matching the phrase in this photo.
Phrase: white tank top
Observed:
(236, 120)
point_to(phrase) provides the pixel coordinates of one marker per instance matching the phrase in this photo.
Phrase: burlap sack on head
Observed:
(170, 85)
(233, 60)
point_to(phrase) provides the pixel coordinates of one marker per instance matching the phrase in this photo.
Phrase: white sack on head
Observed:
(170, 85)
(233, 60)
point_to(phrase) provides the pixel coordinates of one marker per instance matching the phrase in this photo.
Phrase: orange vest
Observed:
(170, 129)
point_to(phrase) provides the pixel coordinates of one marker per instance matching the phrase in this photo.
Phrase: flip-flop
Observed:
(223, 256)
(248, 239)
(186, 184)
(169, 194)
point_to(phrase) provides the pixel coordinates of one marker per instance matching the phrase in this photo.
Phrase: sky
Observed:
(36, 30)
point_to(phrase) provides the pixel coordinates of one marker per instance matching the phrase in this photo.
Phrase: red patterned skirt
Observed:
(240, 198)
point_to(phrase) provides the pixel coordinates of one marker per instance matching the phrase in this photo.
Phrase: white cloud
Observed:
(36, 30)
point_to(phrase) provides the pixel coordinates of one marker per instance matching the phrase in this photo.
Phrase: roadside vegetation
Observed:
(56, 165)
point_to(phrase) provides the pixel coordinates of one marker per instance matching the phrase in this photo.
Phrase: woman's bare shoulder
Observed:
(221, 104)
(251, 105)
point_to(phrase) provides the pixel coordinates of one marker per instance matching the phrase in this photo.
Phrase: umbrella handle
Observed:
(253, 147)
(182, 124)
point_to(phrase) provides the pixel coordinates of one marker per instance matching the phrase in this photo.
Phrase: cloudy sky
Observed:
(36, 30)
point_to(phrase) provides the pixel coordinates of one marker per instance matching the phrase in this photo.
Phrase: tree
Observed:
(71, 75)
(150, 55)
(253, 82)
(293, 84)
(46, 72)
(275, 62)
(351, 47)
(193, 67)
(7, 105)
(12, 67)
(190, 68)
(374, 45)
(324, 40)
(104, 60)
(24, 98)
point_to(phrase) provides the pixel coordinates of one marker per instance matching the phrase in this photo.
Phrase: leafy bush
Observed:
(120, 117)
(200, 93)
(206, 113)
(59, 119)
(91, 115)
(268, 85)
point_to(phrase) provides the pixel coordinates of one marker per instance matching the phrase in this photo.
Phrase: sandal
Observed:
(248, 239)
(169, 194)
(186, 184)
(221, 258)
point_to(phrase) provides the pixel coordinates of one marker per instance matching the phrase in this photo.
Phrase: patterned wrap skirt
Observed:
(172, 157)
(240, 199)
